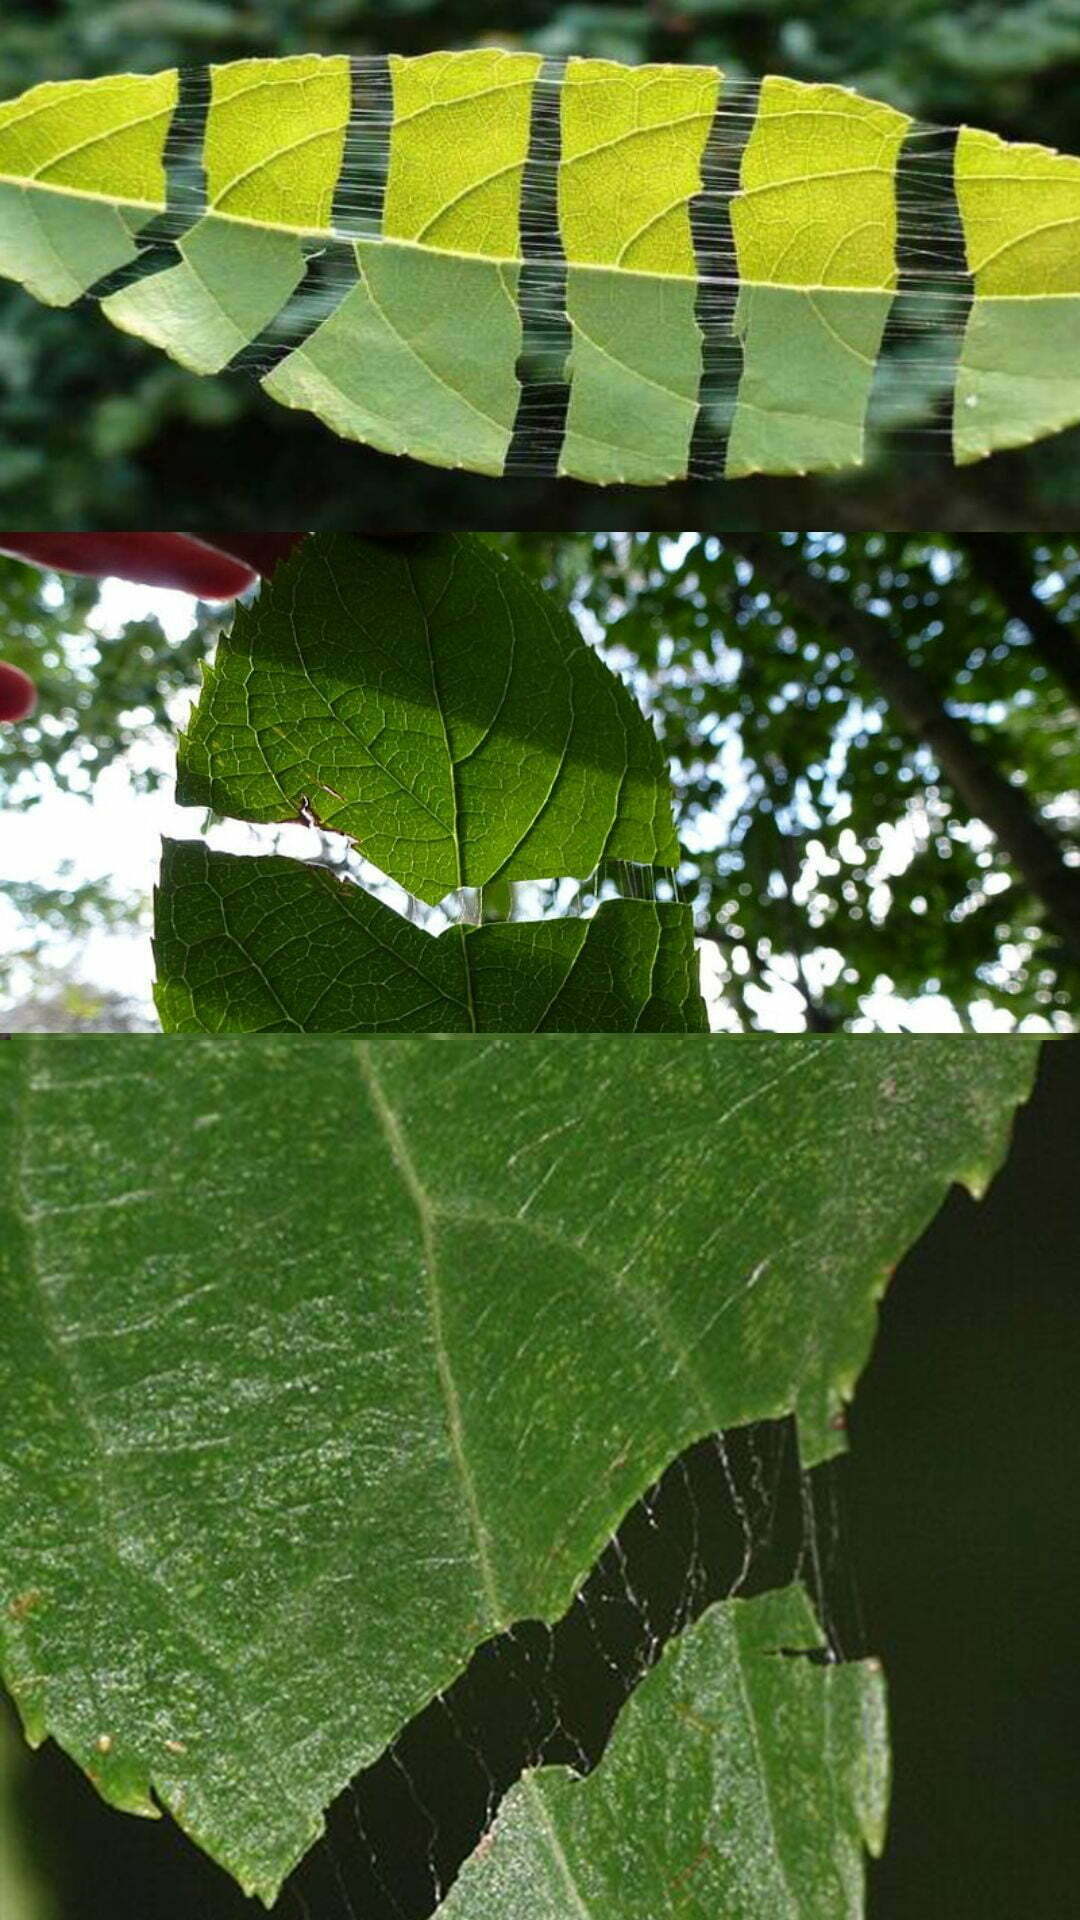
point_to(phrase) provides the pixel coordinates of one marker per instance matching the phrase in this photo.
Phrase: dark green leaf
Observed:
(325, 1358)
(430, 702)
(260, 945)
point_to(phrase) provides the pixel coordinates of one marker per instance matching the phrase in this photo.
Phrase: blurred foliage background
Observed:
(100, 431)
(873, 738)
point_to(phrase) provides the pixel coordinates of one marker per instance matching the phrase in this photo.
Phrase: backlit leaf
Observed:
(418, 249)
(431, 703)
(262, 945)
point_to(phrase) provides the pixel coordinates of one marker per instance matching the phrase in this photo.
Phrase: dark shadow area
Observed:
(963, 1472)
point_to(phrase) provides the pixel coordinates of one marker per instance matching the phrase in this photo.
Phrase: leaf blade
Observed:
(736, 1781)
(1016, 377)
(258, 1360)
(411, 338)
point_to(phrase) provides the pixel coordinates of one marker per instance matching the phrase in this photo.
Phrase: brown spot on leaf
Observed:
(25, 1603)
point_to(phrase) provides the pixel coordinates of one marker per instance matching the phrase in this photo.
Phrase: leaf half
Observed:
(427, 700)
(737, 1781)
(264, 945)
(325, 1359)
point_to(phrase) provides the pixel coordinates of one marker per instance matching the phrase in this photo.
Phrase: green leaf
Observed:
(736, 1782)
(1019, 375)
(632, 146)
(82, 169)
(815, 233)
(427, 700)
(325, 1360)
(369, 236)
(262, 945)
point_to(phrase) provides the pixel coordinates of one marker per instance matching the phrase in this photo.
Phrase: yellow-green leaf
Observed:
(418, 249)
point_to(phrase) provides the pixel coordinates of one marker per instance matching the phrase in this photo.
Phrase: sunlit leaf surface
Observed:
(431, 703)
(490, 261)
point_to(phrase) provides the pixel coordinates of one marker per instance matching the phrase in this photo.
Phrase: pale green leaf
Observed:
(438, 338)
(632, 147)
(713, 254)
(1019, 370)
(265, 945)
(815, 231)
(327, 1358)
(431, 703)
(738, 1782)
(810, 359)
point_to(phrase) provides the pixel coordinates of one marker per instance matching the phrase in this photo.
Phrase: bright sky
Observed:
(115, 835)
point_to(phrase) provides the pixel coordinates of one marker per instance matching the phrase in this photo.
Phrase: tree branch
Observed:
(992, 798)
(999, 560)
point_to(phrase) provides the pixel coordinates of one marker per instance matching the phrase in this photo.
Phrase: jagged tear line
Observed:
(546, 333)
(330, 274)
(935, 299)
(729, 1516)
(718, 288)
(365, 163)
(185, 190)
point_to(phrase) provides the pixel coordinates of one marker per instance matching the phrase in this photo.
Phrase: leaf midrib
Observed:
(401, 1156)
(512, 260)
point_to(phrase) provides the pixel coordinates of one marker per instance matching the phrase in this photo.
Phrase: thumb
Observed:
(153, 559)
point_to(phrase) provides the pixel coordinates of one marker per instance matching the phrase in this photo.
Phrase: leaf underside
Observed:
(260, 945)
(489, 261)
(296, 1331)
